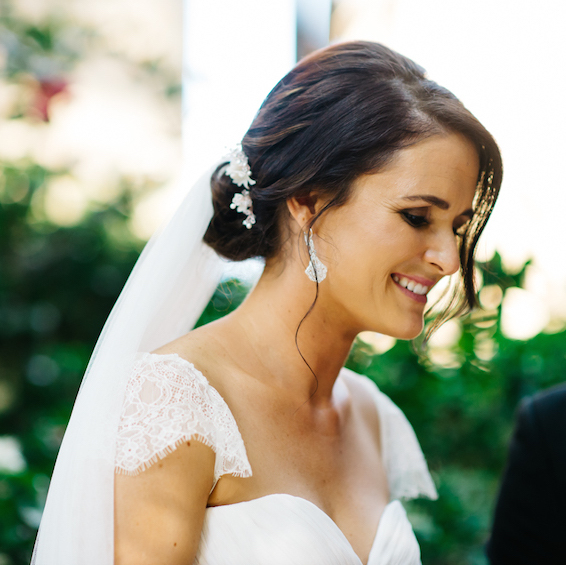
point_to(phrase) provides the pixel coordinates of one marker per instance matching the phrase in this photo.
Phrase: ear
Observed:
(303, 208)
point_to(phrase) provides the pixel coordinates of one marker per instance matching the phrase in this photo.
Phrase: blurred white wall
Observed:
(234, 54)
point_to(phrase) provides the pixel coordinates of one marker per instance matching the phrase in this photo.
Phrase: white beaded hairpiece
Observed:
(238, 169)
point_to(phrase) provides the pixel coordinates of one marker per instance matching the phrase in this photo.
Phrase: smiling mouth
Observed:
(413, 289)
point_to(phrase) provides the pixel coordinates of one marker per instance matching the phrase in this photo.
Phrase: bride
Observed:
(362, 184)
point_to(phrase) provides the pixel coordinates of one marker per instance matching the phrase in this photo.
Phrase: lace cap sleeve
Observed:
(168, 402)
(405, 464)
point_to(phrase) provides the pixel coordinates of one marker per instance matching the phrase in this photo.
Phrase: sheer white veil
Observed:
(164, 296)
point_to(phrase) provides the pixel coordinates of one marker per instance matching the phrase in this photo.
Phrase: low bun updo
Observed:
(227, 234)
(343, 112)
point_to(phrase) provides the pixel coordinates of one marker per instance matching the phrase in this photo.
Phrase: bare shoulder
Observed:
(195, 344)
(201, 347)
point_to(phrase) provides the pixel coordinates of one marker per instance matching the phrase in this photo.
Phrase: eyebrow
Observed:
(438, 202)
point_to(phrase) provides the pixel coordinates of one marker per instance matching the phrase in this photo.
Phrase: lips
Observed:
(411, 285)
(414, 287)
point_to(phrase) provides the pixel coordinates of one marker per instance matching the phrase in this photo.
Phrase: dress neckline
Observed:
(316, 509)
(384, 450)
(298, 499)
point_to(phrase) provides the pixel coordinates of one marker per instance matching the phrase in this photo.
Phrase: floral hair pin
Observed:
(238, 169)
(242, 202)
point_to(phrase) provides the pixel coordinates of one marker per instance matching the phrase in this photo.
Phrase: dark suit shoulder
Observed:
(549, 414)
(550, 404)
(528, 523)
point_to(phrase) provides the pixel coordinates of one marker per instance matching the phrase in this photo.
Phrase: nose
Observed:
(443, 253)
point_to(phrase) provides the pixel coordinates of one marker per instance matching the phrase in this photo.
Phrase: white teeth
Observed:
(417, 288)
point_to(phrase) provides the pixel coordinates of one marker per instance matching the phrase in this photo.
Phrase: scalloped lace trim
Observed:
(168, 402)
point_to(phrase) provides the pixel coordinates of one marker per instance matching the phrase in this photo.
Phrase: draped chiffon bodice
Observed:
(168, 401)
(282, 529)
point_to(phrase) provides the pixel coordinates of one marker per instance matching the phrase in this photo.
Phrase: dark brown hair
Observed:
(340, 113)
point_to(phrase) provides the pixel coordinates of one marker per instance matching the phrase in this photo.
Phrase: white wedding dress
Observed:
(168, 401)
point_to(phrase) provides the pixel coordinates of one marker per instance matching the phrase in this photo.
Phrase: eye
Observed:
(415, 220)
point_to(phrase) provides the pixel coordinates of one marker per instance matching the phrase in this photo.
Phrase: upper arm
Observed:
(159, 512)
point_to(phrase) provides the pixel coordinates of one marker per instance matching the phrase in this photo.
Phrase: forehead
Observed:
(445, 166)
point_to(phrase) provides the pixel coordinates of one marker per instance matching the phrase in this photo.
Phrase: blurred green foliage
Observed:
(58, 284)
(38, 49)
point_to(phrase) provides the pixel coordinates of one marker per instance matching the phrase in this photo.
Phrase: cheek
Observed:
(366, 259)
(393, 247)
(367, 251)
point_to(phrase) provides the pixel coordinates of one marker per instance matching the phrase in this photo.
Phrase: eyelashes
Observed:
(421, 221)
(415, 220)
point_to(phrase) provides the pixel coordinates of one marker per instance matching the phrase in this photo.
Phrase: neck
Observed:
(265, 326)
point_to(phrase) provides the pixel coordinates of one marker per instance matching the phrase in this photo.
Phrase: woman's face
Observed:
(397, 236)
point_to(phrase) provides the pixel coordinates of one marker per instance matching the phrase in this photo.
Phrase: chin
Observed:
(411, 335)
(407, 333)
(404, 327)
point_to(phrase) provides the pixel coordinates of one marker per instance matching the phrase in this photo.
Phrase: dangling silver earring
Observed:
(316, 270)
